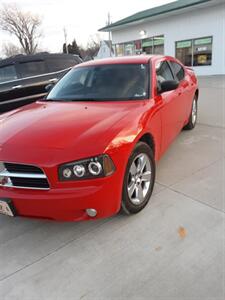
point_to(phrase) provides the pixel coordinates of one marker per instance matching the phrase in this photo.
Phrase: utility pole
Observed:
(65, 38)
(108, 23)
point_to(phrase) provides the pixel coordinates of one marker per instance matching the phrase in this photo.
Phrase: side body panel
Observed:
(175, 106)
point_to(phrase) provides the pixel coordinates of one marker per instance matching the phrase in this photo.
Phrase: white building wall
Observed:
(208, 21)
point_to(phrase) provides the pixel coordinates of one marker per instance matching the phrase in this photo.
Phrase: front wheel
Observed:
(139, 179)
(193, 116)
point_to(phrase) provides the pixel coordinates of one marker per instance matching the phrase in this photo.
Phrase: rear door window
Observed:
(59, 64)
(32, 68)
(178, 70)
(7, 73)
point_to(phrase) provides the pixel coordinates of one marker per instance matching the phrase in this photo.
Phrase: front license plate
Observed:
(6, 207)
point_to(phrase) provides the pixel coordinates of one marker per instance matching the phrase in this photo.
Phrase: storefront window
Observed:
(184, 52)
(196, 52)
(129, 48)
(138, 48)
(203, 52)
(147, 46)
(151, 45)
(158, 45)
(119, 50)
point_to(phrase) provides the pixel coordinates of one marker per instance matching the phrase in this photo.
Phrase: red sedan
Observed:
(88, 150)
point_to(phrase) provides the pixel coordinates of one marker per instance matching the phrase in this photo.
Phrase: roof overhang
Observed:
(160, 12)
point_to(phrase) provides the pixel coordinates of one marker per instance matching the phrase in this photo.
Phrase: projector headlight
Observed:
(89, 168)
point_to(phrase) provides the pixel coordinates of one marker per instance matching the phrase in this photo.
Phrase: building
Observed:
(191, 30)
(105, 50)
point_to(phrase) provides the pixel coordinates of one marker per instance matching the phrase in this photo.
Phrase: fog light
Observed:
(67, 173)
(91, 212)
(5, 181)
(79, 170)
(95, 168)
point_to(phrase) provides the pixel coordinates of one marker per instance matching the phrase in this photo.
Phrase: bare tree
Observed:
(92, 48)
(94, 41)
(9, 49)
(23, 25)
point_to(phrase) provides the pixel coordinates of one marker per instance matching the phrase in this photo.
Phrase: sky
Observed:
(81, 19)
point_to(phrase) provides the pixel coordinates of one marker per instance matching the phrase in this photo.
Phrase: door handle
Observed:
(15, 87)
(53, 80)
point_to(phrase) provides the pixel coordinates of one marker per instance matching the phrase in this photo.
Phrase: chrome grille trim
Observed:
(22, 180)
(22, 175)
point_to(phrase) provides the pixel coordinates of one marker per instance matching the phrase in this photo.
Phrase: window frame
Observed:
(192, 49)
(175, 76)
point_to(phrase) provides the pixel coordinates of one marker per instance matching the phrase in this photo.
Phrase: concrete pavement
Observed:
(173, 250)
(212, 104)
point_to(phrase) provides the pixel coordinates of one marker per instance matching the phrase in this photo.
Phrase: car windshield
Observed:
(102, 83)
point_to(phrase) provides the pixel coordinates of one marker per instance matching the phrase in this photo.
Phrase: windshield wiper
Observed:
(55, 100)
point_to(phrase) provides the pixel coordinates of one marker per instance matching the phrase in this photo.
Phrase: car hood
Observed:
(78, 129)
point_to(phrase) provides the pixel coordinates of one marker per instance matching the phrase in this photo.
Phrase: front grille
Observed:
(22, 176)
(16, 168)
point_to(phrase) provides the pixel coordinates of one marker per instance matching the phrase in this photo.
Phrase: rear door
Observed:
(59, 63)
(184, 88)
(171, 105)
(33, 78)
(9, 82)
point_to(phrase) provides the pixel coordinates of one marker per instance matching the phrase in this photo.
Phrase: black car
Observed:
(23, 78)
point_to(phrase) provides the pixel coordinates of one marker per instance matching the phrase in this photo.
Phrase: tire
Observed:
(139, 178)
(193, 116)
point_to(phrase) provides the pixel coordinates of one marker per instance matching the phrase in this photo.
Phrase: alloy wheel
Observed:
(139, 179)
(194, 112)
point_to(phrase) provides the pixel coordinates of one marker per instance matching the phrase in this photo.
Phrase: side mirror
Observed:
(168, 85)
(49, 87)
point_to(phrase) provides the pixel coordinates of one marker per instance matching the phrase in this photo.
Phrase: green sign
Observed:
(184, 44)
(203, 41)
(158, 42)
(147, 43)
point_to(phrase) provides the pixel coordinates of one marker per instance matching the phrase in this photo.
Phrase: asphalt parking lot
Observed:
(174, 249)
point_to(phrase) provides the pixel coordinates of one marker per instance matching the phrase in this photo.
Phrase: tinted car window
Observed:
(32, 68)
(7, 73)
(59, 64)
(178, 70)
(103, 82)
(163, 72)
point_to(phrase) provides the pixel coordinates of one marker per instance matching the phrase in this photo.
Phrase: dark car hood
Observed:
(85, 127)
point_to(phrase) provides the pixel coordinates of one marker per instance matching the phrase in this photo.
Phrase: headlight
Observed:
(89, 168)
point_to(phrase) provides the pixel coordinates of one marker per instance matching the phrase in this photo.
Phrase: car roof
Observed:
(139, 59)
(38, 56)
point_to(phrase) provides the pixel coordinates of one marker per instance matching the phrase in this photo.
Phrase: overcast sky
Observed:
(80, 18)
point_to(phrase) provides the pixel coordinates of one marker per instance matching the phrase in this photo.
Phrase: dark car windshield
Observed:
(103, 82)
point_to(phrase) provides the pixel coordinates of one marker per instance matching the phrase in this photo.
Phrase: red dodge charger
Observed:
(88, 150)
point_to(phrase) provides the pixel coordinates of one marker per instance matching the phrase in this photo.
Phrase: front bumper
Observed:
(68, 203)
